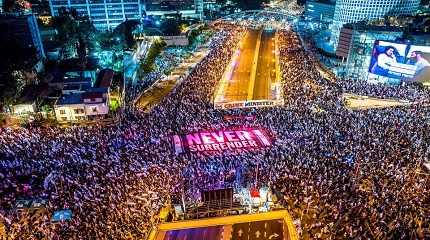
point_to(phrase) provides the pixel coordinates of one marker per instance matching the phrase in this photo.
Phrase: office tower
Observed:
(187, 8)
(351, 11)
(22, 28)
(105, 14)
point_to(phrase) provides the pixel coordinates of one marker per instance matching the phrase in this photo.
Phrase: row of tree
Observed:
(148, 64)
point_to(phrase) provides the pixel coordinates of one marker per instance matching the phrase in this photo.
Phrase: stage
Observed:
(275, 225)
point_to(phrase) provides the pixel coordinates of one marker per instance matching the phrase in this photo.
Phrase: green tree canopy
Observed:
(170, 27)
(249, 4)
(124, 32)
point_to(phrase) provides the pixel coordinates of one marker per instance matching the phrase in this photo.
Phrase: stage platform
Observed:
(274, 225)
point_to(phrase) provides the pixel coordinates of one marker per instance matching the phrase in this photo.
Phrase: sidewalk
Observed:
(360, 102)
(161, 88)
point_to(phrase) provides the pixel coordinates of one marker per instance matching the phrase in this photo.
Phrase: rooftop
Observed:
(74, 64)
(77, 87)
(92, 95)
(104, 79)
(58, 77)
(67, 99)
(102, 90)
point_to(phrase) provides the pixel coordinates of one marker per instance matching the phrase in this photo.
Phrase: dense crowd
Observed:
(342, 174)
(350, 174)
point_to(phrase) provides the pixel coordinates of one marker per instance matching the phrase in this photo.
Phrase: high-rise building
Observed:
(351, 11)
(40, 7)
(187, 8)
(322, 11)
(22, 28)
(105, 14)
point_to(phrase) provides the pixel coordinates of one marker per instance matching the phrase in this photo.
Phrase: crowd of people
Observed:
(342, 174)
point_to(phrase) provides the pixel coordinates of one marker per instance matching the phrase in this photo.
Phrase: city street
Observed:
(266, 67)
(161, 88)
(252, 71)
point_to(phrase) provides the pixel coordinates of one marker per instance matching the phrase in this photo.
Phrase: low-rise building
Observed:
(24, 108)
(75, 107)
(70, 107)
(96, 103)
(64, 84)
(23, 28)
(80, 101)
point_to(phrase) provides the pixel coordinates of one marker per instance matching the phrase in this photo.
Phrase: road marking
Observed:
(254, 67)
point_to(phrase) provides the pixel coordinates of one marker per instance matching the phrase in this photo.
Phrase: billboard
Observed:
(419, 56)
(400, 61)
(248, 104)
(221, 140)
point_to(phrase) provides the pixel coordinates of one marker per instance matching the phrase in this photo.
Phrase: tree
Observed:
(15, 60)
(7, 102)
(73, 28)
(124, 32)
(16, 6)
(301, 2)
(82, 51)
(170, 27)
(46, 109)
(148, 64)
(249, 4)
(128, 35)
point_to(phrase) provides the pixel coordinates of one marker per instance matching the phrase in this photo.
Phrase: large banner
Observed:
(400, 61)
(248, 104)
(208, 141)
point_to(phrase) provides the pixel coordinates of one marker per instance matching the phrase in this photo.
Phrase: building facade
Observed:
(187, 8)
(105, 14)
(357, 44)
(351, 11)
(89, 105)
(81, 101)
(22, 28)
(322, 11)
(40, 7)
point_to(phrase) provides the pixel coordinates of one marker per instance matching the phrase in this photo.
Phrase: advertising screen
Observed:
(400, 61)
(222, 140)
(419, 56)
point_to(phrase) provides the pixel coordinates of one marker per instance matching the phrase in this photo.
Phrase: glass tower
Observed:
(105, 14)
(350, 11)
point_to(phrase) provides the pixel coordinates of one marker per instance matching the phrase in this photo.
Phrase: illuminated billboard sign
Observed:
(248, 104)
(400, 61)
(222, 140)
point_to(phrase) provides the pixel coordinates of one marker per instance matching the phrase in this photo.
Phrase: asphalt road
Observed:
(261, 230)
(265, 73)
(237, 86)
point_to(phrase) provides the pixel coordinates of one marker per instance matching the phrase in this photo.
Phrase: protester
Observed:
(343, 174)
